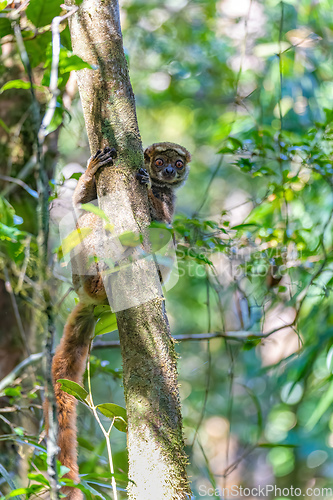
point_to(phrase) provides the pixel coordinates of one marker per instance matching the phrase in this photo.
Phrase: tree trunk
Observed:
(157, 463)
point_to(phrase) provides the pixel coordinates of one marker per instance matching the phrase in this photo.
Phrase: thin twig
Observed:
(211, 180)
(228, 470)
(25, 186)
(231, 374)
(237, 335)
(54, 73)
(10, 378)
(280, 160)
(106, 434)
(16, 312)
(24, 265)
(24, 172)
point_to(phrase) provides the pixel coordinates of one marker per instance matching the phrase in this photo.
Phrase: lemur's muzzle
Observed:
(169, 172)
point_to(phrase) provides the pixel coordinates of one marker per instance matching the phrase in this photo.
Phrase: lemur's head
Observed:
(167, 163)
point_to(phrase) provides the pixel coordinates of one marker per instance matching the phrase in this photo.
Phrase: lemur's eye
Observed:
(159, 162)
(179, 164)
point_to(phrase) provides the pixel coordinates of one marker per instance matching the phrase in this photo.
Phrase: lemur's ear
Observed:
(187, 156)
(148, 151)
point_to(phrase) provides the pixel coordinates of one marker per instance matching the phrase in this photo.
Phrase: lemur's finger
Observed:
(107, 151)
(106, 157)
(111, 151)
(143, 176)
(98, 152)
(105, 161)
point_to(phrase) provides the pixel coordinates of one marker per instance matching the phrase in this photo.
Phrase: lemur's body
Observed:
(167, 169)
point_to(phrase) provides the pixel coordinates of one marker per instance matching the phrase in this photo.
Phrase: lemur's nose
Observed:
(170, 172)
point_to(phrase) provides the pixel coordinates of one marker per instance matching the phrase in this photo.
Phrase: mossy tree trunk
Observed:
(157, 463)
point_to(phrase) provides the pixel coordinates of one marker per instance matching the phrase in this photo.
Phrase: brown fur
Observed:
(161, 193)
(69, 362)
(160, 147)
(161, 206)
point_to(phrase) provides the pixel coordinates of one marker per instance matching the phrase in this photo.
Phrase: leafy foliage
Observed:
(116, 413)
(40, 13)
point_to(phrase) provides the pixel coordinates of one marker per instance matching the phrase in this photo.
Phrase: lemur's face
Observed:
(167, 165)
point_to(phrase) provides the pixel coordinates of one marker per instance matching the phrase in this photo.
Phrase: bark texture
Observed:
(157, 463)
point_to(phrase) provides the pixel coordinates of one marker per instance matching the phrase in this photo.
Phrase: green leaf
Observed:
(7, 212)
(72, 62)
(33, 489)
(159, 238)
(37, 48)
(104, 477)
(107, 323)
(18, 491)
(74, 238)
(13, 391)
(39, 478)
(4, 126)
(9, 233)
(85, 443)
(99, 310)
(65, 38)
(285, 105)
(5, 27)
(41, 13)
(242, 226)
(73, 389)
(62, 469)
(15, 84)
(8, 478)
(57, 118)
(233, 145)
(270, 49)
(3, 4)
(112, 411)
(90, 207)
(130, 239)
(81, 486)
(76, 176)
(20, 84)
(325, 402)
(85, 487)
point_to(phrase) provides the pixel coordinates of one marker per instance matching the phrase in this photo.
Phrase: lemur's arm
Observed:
(85, 190)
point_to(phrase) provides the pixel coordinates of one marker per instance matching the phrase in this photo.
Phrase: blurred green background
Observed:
(247, 87)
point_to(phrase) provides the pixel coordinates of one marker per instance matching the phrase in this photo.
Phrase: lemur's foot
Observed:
(102, 158)
(143, 176)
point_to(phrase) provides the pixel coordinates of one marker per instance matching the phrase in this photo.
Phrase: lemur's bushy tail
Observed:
(69, 363)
